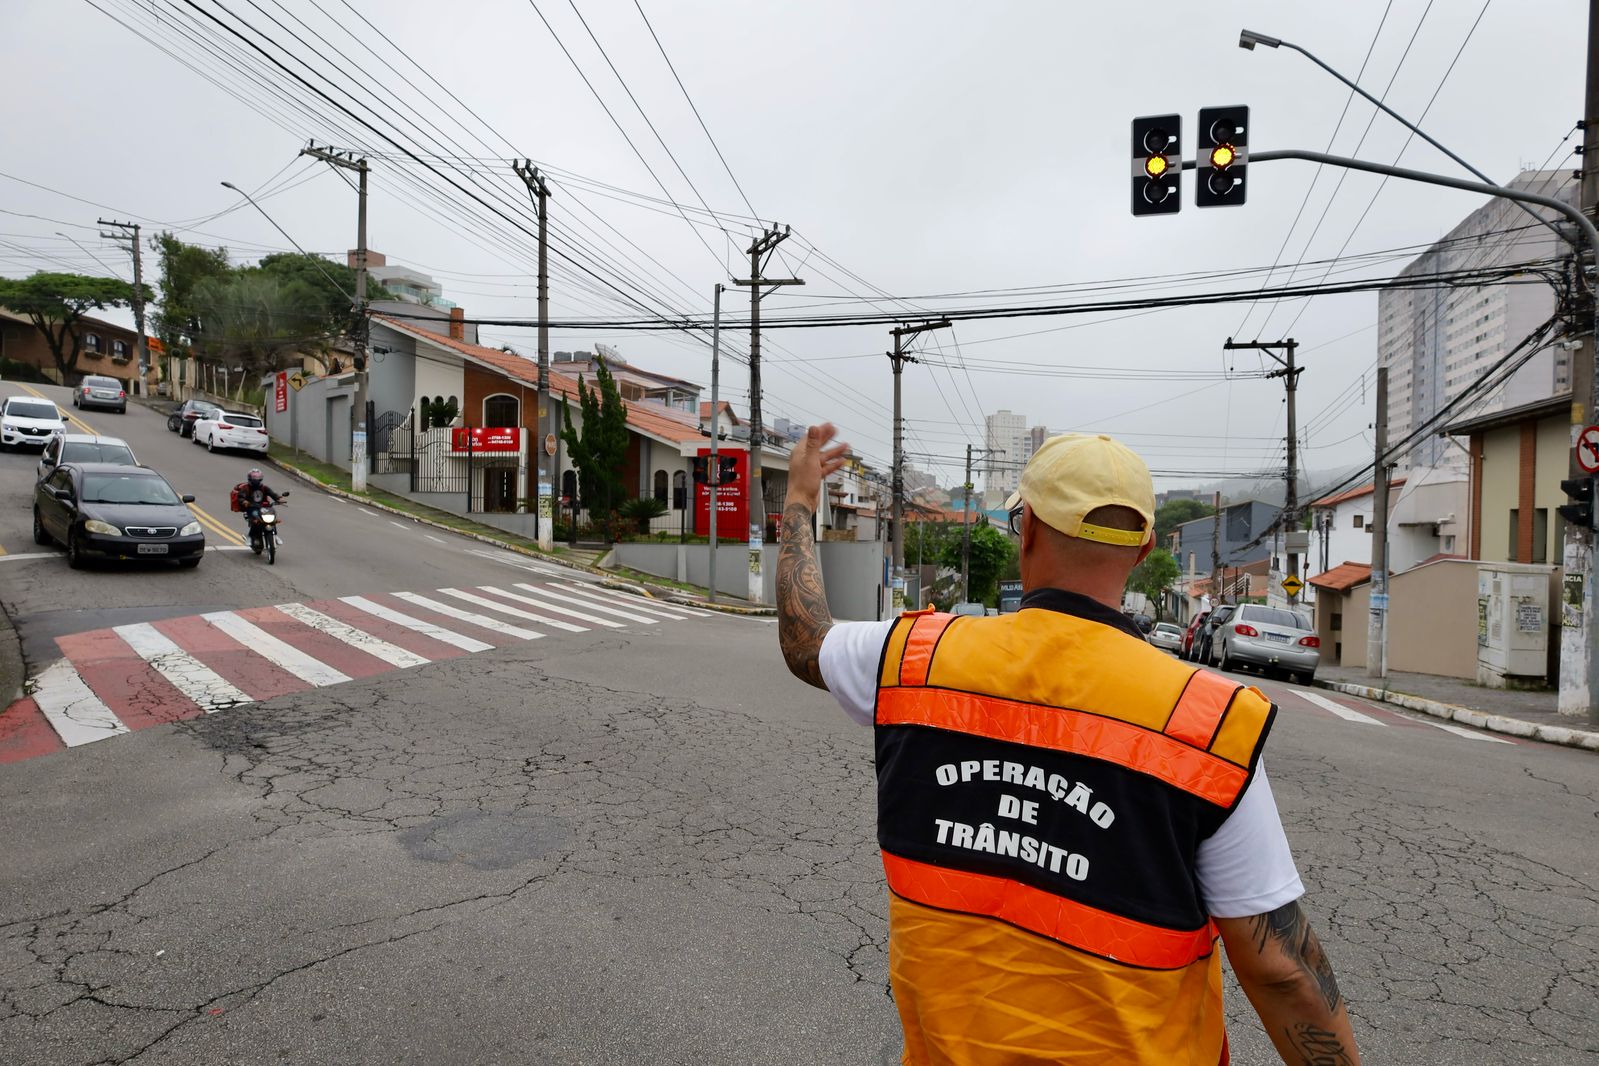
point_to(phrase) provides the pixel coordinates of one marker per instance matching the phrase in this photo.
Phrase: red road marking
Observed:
(246, 670)
(409, 639)
(315, 643)
(25, 732)
(133, 689)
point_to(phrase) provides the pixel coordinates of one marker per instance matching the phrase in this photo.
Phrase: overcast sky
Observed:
(924, 146)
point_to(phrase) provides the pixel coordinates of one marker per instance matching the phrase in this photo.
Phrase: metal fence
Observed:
(490, 481)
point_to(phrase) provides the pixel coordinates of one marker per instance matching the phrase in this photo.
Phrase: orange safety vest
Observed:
(1045, 779)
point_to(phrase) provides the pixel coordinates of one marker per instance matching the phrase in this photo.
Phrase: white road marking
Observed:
(29, 555)
(75, 712)
(229, 547)
(467, 616)
(416, 625)
(355, 638)
(549, 593)
(514, 612)
(276, 651)
(400, 525)
(545, 606)
(1346, 713)
(635, 603)
(188, 675)
(439, 540)
(363, 510)
(1462, 731)
(518, 562)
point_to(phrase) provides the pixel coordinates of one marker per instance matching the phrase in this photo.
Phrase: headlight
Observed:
(269, 519)
(189, 530)
(105, 529)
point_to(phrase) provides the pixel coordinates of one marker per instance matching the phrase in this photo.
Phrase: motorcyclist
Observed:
(253, 494)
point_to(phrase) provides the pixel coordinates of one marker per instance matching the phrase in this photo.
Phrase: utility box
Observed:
(1513, 625)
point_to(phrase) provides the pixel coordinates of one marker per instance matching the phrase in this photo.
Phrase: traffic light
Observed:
(1580, 511)
(1222, 156)
(729, 469)
(1157, 164)
(698, 465)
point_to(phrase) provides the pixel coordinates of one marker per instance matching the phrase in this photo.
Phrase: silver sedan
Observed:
(1274, 639)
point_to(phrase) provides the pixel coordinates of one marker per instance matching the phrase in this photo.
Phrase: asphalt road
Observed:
(642, 843)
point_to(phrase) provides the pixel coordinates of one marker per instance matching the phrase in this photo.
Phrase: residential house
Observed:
(108, 349)
(1517, 459)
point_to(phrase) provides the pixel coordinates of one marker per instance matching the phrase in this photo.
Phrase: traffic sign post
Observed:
(1292, 585)
(1588, 449)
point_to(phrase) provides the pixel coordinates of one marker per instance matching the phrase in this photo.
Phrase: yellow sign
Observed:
(296, 380)
(1292, 585)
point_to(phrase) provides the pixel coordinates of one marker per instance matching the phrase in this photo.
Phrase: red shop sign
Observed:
(280, 392)
(732, 501)
(500, 439)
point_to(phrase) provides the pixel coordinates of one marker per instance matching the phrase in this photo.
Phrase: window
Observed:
(1515, 524)
(423, 407)
(660, 485)
(1540, 535)
(569, 487)
(120, 350)
(92, 343)
(679, 491)
(1360, 521)
(502, 410)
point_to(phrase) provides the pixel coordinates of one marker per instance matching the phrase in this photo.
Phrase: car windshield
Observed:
(102, 383)
(24, 409)
(1274, 616)
(244, 421)
(201, 408)
(127, 488)
(1167, 627)
(96, 452)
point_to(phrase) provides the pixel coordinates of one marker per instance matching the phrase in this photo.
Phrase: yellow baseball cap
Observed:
(1072, 474)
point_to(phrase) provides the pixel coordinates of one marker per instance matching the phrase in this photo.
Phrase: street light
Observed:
(1247, 39)
(316, 260)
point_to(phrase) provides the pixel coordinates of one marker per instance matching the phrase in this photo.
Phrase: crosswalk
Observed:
(123, 678)
(1349, 714)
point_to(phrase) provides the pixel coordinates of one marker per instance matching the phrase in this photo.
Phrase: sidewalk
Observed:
(1516, 713)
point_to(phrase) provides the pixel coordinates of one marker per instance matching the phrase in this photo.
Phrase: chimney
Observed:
(457, 324)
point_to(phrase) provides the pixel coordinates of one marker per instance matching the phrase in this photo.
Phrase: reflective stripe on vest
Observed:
(918, 656)
(1104, 934)
(1201, 707)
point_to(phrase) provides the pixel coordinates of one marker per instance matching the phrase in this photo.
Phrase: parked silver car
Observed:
(1166, 636)
(1271, 638)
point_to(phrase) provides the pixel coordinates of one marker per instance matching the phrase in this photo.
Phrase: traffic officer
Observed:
(1068, 818)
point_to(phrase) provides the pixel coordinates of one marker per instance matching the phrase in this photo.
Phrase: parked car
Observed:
(1167, 636)
(230, 429)
(29, 422)
(83, 448)
(116, 511)
(1205, 639)
(99, 391)
(1276, 640)
(1192, 631)
(181, 420)
(975, 610)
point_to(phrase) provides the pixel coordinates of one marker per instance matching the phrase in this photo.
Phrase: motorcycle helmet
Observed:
(255, 478)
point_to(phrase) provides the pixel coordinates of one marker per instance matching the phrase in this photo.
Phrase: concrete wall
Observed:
(1553, 451)
(1501, 464)
(851, 572)
(1432, 620)
(318, 419)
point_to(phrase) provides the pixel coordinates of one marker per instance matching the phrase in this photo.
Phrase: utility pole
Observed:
(898, 358)
(966, 521)
(713, 470)
(544, 524)
(1579, 659)
(759, 251)
(358, 425)
(129, 231)
(1289, 372)
(1377, 628)
(1215, 548)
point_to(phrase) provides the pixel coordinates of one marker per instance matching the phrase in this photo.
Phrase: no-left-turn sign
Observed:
(1588, 449)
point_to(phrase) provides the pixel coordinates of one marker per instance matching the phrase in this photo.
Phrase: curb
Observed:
(649, 592)
(1496, 723)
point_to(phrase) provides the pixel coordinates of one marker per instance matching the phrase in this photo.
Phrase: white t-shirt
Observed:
(1245, 867)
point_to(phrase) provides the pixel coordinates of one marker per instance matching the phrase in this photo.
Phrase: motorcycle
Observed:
(264, 537)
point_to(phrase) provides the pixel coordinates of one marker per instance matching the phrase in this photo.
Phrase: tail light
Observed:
(224, 425)
(122, 394)
(1246, 630)
(261, 431)
(86, 390)
(1310, 642)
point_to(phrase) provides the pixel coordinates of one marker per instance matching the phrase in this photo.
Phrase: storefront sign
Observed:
(732, 501)
(499, 440)
(280, 391)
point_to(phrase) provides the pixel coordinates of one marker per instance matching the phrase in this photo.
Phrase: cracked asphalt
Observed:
(653, 847)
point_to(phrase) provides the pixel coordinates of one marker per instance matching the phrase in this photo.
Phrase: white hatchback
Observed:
(230, 429)
(25, 421)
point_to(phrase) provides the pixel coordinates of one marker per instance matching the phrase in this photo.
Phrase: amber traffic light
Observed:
(1223, 156)
(1157, 164)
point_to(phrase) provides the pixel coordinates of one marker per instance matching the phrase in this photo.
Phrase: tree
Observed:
(599, 449)
(992, 555)
(1152, 577)
(1173, 513)
(183, 268)
(55, 304)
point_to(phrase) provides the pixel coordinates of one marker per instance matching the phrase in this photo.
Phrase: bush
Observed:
(642, 511)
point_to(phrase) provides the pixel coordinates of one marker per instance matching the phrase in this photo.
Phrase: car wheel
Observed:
(211, 445)
(74, 553)
(39, 535)
(172, 424)
(1226, 660)
(189, 564)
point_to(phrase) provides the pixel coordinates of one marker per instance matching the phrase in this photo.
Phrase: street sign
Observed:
(1292, 585)
(296, 380)
(549, 444)
(280, 392)
(1588, 449)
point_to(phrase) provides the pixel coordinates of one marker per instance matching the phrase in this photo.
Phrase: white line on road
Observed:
(363, 510)
(1462, 731)
(188, 675)
(276, 651)
(514, 612)
(492, 624)
(57, 555)
(75, 712)
(438, 540)
(416, 625)
(1346, 713)
(546, 606)
(355, 638)
(635, 603)
(520, 564)
(400, 525)
(586, 605)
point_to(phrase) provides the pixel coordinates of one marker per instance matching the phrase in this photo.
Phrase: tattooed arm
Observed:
(1285, 974)
(802, 615)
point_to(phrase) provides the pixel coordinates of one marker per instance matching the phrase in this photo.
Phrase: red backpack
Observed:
(236, 497)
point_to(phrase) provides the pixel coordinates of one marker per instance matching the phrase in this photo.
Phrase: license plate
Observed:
(104, 396)
(152, 549)
(1278, 637)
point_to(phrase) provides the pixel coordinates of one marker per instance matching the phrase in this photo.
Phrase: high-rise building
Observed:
(1438, 341)
(1008, 441)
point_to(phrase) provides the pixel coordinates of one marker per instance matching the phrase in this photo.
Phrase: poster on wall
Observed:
(732, 502)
